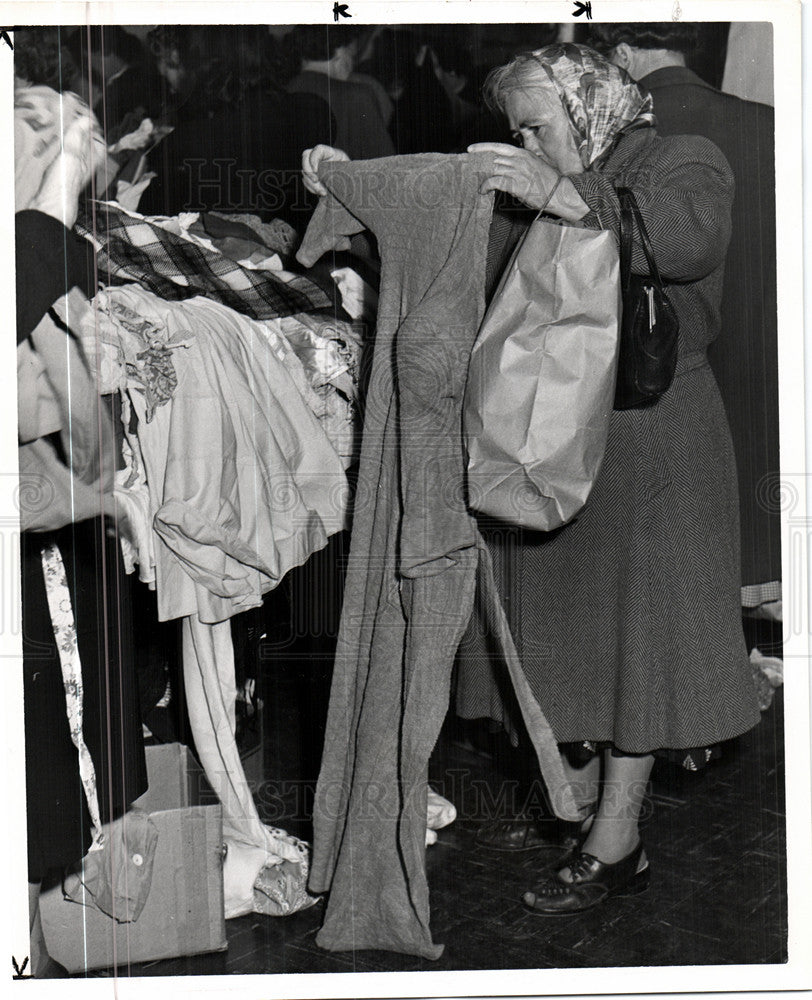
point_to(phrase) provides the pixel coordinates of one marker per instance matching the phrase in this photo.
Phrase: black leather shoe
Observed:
(593, 881)
(528, 835)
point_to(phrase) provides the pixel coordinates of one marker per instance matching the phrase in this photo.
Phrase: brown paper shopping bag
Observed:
(542, 378)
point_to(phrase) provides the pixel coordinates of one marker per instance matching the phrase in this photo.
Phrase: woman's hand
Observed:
(532, 180)
(311, 158)
(519, 172)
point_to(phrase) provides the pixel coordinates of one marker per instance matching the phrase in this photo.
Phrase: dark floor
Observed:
(715, 840)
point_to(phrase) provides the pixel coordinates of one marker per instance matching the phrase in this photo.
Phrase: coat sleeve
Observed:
(684, 189)
(50, 260)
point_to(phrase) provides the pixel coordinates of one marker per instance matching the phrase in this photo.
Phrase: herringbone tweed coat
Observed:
(627, 620)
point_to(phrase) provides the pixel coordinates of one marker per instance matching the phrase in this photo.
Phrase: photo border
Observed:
(785, 16)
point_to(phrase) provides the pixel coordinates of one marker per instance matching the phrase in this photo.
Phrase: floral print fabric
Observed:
(281, 887)
(64, 626)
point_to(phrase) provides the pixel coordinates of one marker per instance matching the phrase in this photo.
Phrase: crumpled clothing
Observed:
(275, 235)
(151, 368)
(132, 499)
(243, 480)
(358, 298)
(441, 813)
(281, 888)
(255, 882)
(247, 252)
(132, 247)
(208, 672)
(322, 355)
(136, 140)
(128, 349)
(768, 674)
(128, 193)
(330, 353)
(326, 348)
(117, 876)
(415, 550)
(106, 362)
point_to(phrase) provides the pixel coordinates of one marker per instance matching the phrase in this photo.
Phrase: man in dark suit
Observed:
(359, 108)
(745, 355)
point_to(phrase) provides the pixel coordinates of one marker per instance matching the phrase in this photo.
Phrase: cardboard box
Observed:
(184, 913)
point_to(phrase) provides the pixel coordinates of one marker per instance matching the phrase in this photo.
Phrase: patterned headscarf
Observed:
(600, 99)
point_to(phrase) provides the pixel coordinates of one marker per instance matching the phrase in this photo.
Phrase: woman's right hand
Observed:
(311, 158)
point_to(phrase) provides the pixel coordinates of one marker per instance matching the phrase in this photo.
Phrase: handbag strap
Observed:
(629, 210)
(626, 232)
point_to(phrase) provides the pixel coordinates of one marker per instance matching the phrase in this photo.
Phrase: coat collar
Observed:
(671, 76)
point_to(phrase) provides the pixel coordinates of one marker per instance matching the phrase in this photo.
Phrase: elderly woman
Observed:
(627, 620)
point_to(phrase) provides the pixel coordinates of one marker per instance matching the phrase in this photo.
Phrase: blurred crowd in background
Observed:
(232, 107)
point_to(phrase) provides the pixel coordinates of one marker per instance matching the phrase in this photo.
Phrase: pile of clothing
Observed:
(239, 421)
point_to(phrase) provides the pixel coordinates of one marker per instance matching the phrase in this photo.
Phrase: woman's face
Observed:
(538, 119)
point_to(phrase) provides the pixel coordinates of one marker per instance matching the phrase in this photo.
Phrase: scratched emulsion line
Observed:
(108, 612)
(105, 610)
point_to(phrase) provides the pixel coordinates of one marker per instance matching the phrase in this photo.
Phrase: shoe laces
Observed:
(579, 866)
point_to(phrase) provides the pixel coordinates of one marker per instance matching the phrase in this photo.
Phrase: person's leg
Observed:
(611, 860)
(585, 780)
(526, 833)
(614, 832)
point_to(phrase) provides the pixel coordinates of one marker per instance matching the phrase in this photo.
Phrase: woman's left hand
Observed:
(519, 172)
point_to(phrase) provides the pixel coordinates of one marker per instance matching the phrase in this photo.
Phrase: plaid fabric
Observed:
(131, 248)
(755, 594)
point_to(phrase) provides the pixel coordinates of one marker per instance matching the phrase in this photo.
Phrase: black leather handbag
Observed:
(649, 328)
